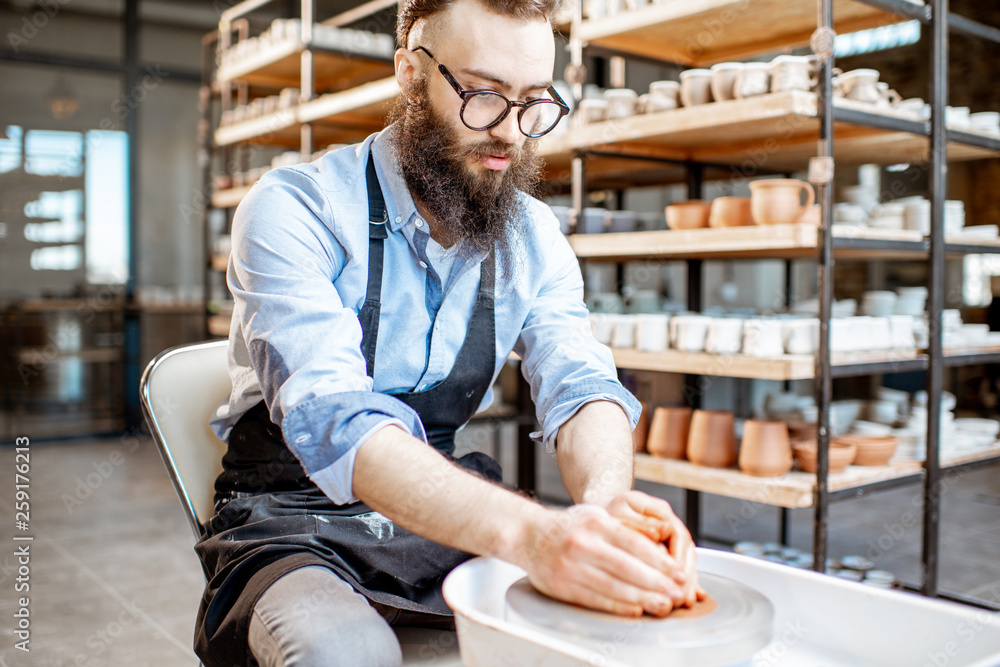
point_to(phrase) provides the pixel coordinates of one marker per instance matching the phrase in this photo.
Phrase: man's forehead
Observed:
(475, 41)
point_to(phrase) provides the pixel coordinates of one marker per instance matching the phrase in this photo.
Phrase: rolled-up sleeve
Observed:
(304, 343)
(561, 360)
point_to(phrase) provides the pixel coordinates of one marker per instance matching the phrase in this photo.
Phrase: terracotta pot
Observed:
(668, 432)
(777, 201)
(873, 450)
(641, 432)
(730, 212)
(841, 455)
(802, 431)
(711, 441)
(765, 450)
(691, 214)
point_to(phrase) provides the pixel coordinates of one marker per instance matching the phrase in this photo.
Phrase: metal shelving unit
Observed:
(344, 96)
(805, 130)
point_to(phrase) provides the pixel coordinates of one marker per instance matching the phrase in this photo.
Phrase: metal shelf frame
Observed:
(934, 248)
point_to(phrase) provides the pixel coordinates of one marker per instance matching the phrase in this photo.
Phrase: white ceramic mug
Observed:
(624, 333)
(791, 73)
(688, 332)
(752, 80)
(860, 85)
(622, 102)
(603, 327)
(725, 336)
(762, 337)
(801, 336)
(724, 79)
(651, 332)
(590, 111)
(696, 87)
(663, 95)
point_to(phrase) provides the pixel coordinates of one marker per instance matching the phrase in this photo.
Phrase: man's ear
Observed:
(406, 63)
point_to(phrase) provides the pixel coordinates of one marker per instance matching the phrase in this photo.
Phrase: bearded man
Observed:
(379, 291)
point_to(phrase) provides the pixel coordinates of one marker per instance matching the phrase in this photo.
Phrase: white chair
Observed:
(179, 391)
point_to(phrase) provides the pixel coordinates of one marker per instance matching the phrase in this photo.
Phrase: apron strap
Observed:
(377, 219)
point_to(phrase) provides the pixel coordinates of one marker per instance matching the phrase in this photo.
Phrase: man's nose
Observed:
(507, 130)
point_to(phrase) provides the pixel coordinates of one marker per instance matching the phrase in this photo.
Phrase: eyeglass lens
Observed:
(483, 109)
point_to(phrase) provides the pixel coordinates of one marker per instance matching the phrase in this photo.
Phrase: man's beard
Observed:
(473, 211)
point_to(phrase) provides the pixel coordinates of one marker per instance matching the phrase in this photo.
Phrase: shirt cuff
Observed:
(336, 481)
(569, 404)
(321, 431)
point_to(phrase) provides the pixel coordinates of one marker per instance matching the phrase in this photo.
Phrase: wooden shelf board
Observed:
(365, 104)
(784, 367)
(787, 367)
(229, 198)
(280, 128)
(341, 117)
(280, 66)
(94, 355)
(971, 457)
(758, 241)
(701, 32)
(792, 490)
(777, 132)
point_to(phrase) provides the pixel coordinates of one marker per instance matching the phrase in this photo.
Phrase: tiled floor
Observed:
(114, 580)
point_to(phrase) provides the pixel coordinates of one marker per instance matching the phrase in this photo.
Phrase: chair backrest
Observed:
(179, 392)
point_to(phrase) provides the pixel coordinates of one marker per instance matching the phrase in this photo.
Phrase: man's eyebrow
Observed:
(503, 83)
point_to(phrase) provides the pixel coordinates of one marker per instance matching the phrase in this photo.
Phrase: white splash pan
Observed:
(820, 621)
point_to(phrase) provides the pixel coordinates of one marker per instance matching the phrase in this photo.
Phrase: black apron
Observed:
(271, 519)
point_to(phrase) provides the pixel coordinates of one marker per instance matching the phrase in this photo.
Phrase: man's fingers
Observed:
(624, 595)
(624, 565)
(650, 552)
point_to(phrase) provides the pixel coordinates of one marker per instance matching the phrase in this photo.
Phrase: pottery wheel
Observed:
(728, 628)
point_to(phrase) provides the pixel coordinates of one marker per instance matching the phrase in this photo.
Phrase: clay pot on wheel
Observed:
(711, 441)
(765, 450)
(668, 433)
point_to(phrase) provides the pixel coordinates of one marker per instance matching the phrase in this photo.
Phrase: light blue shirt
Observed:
(298, 274)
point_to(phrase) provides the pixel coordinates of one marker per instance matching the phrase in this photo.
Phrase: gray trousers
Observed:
(310, 617)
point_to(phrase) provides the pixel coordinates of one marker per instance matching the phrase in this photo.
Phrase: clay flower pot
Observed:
(802, 432)
(668, 432)
(841, 455)
(641, 432)
(711, 441)
(730, 212)
(690, 214)
(765, 451)
(873, 450)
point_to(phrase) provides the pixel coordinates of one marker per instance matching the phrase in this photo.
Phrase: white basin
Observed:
(820, 621)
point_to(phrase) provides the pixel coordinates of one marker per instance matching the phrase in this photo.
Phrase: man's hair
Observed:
(410, 11)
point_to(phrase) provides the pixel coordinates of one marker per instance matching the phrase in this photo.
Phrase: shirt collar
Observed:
(399, 204)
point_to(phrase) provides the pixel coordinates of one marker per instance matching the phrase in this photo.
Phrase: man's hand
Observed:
(654, 518)
(586, 556)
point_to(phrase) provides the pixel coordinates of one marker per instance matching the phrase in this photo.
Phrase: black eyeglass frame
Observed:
(523, 106)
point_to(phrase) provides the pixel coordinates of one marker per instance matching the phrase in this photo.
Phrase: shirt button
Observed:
(423, 265)
(419, 223)
(398, 219)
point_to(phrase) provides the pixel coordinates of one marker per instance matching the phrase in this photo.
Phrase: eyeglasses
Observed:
(483, 109)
